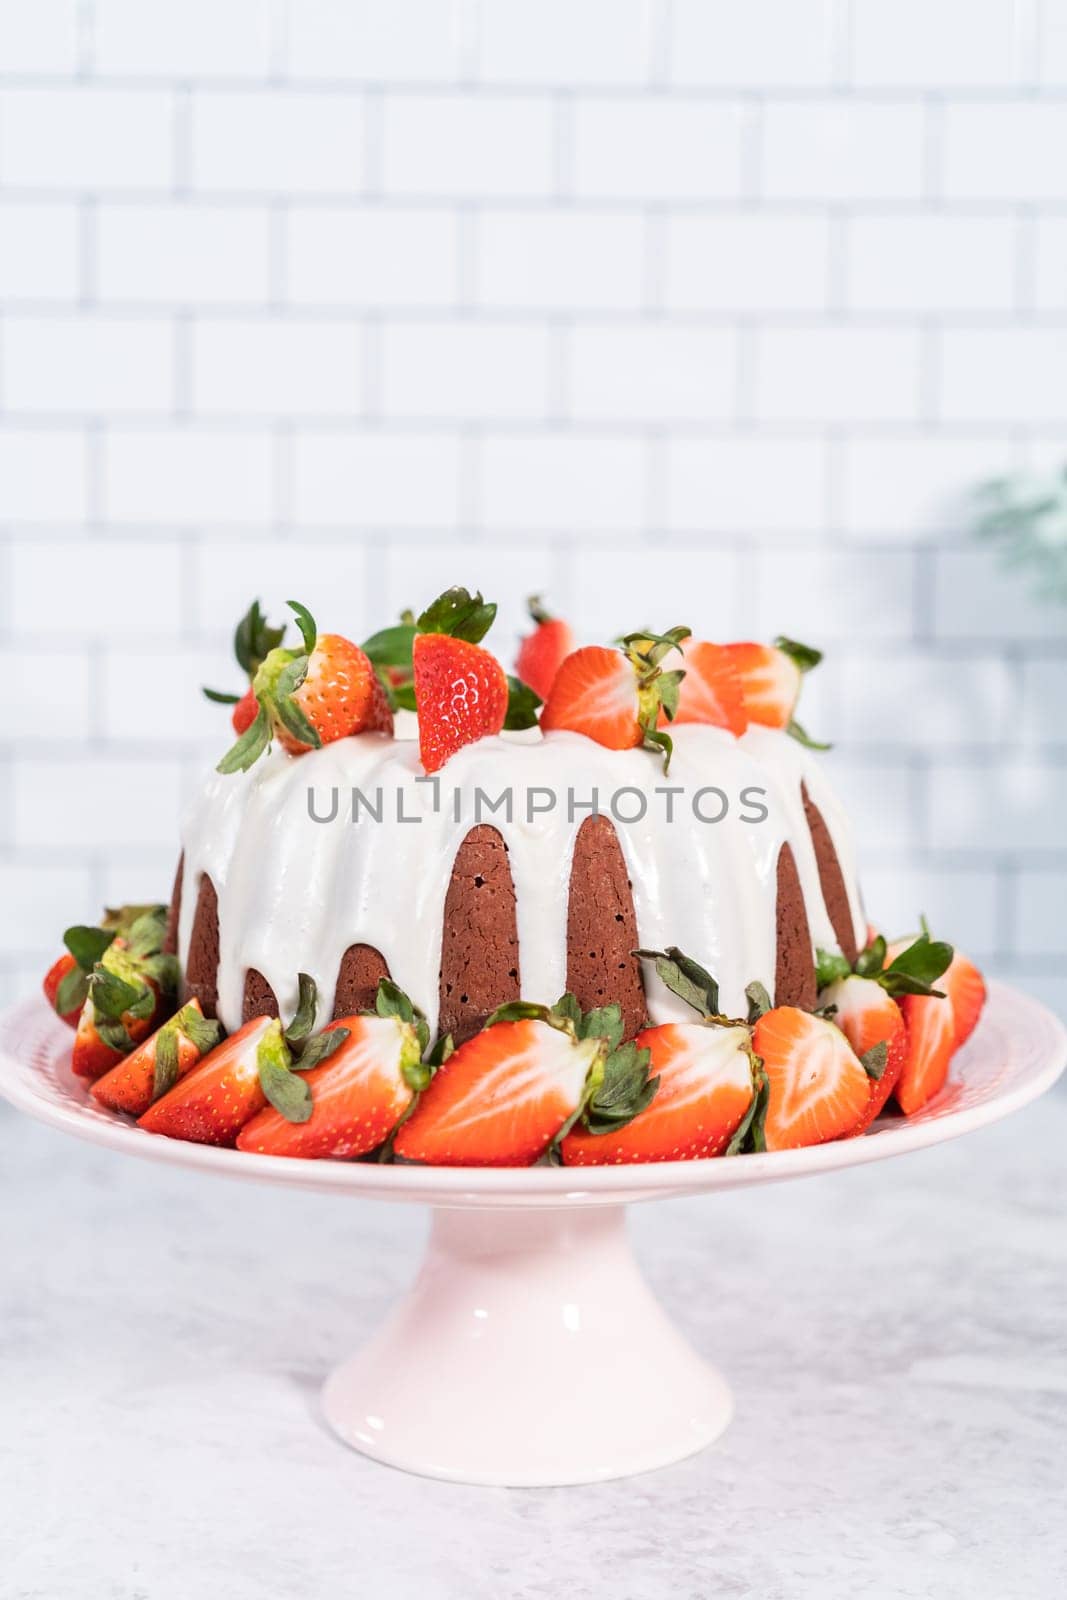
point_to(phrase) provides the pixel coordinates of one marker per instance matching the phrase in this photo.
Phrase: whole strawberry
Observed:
(542, 652)
(311, 697)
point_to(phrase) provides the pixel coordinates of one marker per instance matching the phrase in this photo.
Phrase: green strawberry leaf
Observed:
(321, 1047)
(829, 968)
(444, 1046)
(795, 731)
(624, 1091)
(537, 611)
(204, 1032)
(391, 647)
(249, 747)
(603, 1022)
(523, 705)
(568, 1010)
(402, 696)
(147, 933)
(72, 991)
(685, 978)
(749, 1133)
(917, 968)
(870, 961)
(113, 997)
(218, 697)
(459, 613)
(390, 1001)
(87, 945)
(759, 1001)
(285, 1089)
(303, 1022)
(527, 1011)
(165, 1072)
(306, 623)
(803, 656)
(255, 639)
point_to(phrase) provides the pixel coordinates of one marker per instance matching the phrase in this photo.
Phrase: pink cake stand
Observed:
(529, 1350)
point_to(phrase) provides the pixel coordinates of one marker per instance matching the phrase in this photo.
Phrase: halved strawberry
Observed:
(817, 1087)
(966, 990)
(770, 677)
(869, 1017)
(502, 1098)
(711, 690)
(505, 1097)
(212, 1102)
(705, 1091)
(616, 696)
(55, 979)
(358, 1095)
(461, 693)
(163, 1058)
(931, 1038)
(310, 697)
(542, 652)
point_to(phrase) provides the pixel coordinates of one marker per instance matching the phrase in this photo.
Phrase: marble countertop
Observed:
(895, 1336)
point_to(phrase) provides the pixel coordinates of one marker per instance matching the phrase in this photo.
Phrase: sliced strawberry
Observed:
(869, 1017)
(817, 1087)
(163, 1058)
(595, 693)
(94, 1052)
(54, 977)
(966, 990)
(542, 652)
(770, 682)
(502, 1098)
(306, 698)
(931, 1036)
(616, 697)
(705, 1091)
(770, 677)
(711, 690)
(213, 1101)
(461, 693)
(358, 1095)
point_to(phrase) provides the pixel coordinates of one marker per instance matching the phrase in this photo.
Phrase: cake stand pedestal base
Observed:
(529, 1351)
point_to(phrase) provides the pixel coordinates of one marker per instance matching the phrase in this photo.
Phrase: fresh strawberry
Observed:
(817, 1086)
(869, 1017)
(163, 1058)
(710, 691)
(461, 693)
(616, 697)
(55, 979)
(507, 1095)
(541, 652)
(770, 677)
(931, 1037)
(705, 1091)
(244, 712)
(310, 697)
(213, 1101)
(358, 1094)
(130, 991)
(966, 990)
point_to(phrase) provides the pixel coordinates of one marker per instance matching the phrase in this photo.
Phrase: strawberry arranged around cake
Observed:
(604, 910)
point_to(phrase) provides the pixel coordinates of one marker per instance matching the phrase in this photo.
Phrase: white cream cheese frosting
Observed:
(295, 892)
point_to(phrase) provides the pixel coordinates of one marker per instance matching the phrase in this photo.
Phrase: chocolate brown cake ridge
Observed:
(259, 999)
(358, 976)
(202, 964)
(794, 975)
(831, 878)
(174, 911)
(602, 926)
(480, 939)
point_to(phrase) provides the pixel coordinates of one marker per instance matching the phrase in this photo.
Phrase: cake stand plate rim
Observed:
(1017, 1052)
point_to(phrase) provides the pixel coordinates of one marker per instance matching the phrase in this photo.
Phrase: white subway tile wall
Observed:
(673, 309)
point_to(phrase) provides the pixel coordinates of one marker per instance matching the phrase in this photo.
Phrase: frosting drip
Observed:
(295, 892)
